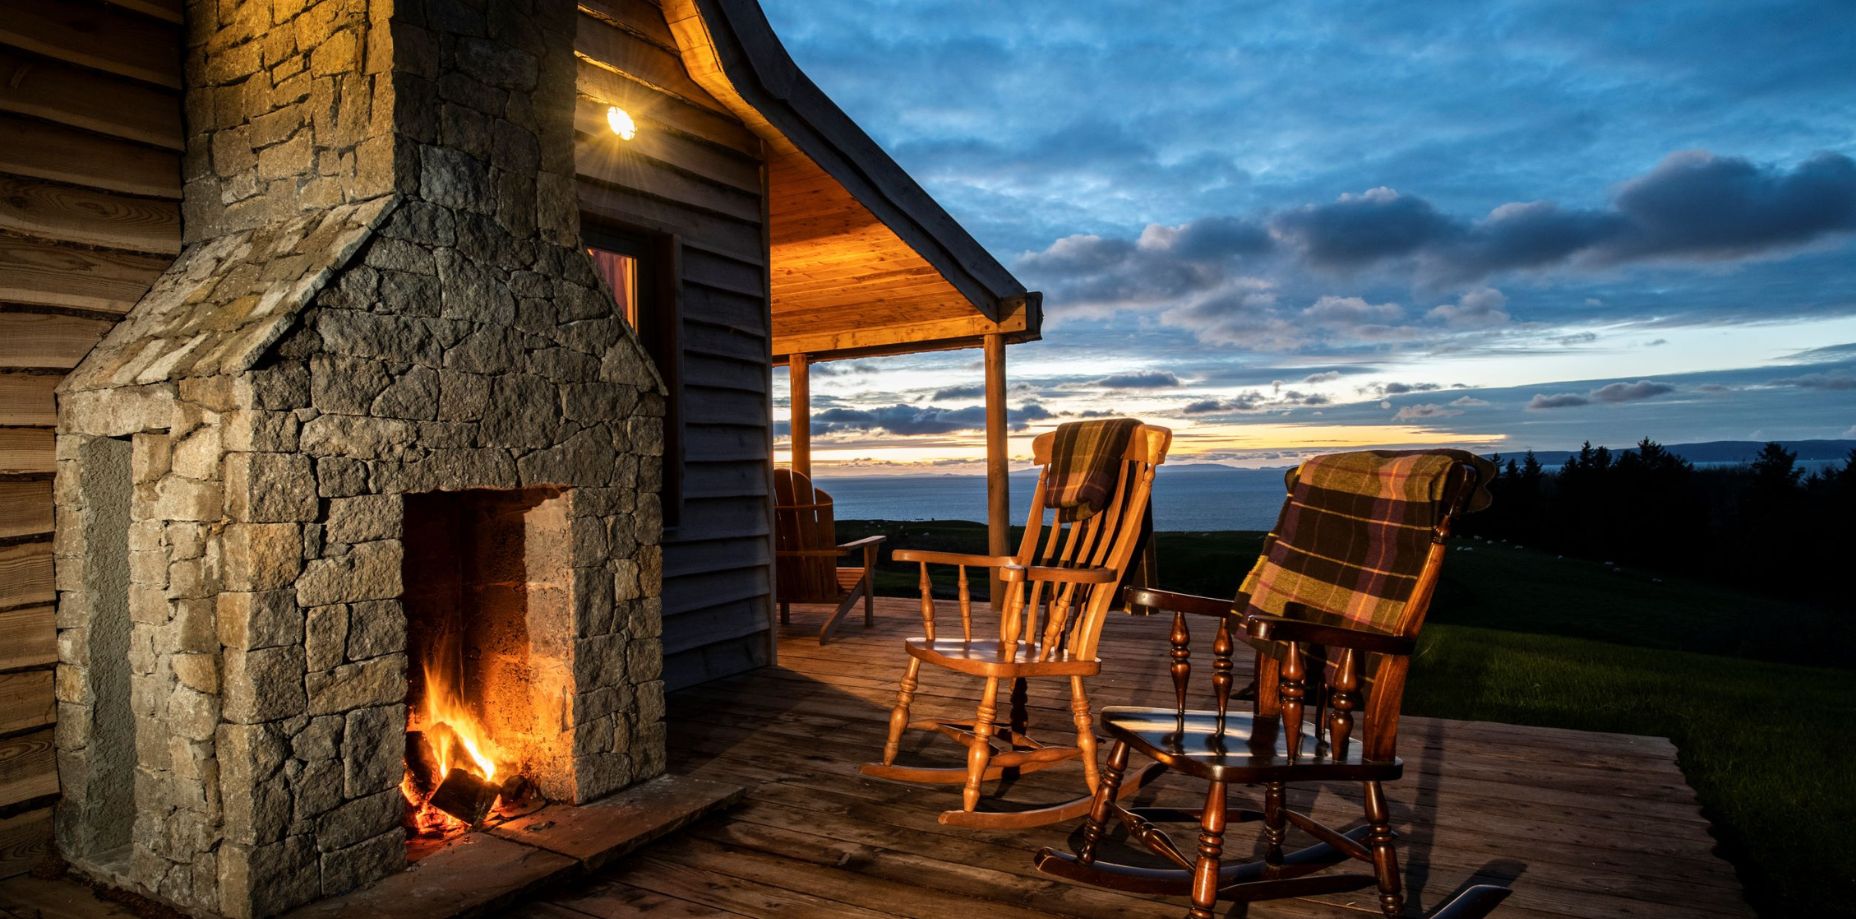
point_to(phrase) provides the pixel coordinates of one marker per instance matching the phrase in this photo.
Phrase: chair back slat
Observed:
(803, 519)
(1062, 617)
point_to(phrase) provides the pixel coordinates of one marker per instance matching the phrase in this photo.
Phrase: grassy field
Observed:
(1757, 694)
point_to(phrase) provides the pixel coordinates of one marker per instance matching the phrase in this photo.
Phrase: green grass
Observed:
(1735, 680)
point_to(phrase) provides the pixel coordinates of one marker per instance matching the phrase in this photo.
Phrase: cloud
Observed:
(1468, 402)
(1139, 379)
(1356, 230)
(1090, 273)
(1833, 381)
(1629, 392)
(1475, 309)
(1424, 410)
(1577, 338)
(1256, 401)
(909, 420)
(1325, 376)
(1558, 400)
(1399, 389)
(968, 391)
(1608, 394)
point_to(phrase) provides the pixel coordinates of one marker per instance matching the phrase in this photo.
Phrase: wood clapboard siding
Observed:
(696, 172)
(90, 177)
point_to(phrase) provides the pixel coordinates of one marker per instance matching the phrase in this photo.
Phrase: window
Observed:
(642, 270)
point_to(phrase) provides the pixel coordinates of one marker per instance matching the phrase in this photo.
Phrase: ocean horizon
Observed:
(1193, 498)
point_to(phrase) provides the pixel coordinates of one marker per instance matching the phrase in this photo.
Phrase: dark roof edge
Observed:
(764, 75)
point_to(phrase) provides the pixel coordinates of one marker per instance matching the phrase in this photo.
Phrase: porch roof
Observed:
(864, 262)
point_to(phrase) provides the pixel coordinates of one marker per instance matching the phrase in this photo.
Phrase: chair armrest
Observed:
(1182, 603)
(856, 544)
(931, 557)
(1276, 628)
(1014, 573)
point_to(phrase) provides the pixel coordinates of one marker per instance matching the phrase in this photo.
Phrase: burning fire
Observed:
(443, 735)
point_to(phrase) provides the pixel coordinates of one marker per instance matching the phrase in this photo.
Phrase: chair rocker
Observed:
(1056, 596)
(1333, 606)
(806, 552)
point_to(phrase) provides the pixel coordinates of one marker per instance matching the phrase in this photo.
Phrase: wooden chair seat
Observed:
(1249, 749)
(989, 657)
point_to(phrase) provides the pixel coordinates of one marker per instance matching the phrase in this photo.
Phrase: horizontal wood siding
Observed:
(696, 172)
(89, 216)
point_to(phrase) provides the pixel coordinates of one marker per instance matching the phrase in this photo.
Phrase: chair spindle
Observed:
(1222, 647)
(1342, 702)
(1181, 668)
(966, 605)
(927, 604)
(1291, 693)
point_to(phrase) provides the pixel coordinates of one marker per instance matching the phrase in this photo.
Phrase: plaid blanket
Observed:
(1085, 464)
(1354, 534)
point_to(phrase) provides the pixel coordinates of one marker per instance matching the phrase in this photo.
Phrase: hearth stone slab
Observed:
(482, 872)
(596, 833)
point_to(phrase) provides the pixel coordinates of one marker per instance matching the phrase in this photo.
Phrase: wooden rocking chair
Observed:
(806, 552)
(1057, 593)
(1340, 592)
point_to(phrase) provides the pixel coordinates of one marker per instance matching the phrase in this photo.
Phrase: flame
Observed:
(456, 740)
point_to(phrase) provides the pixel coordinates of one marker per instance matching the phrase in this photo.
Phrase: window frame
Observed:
(659, 309)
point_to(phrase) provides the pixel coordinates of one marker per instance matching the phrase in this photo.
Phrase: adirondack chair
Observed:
(1349, 569)
(1057, 593)
(806, 553)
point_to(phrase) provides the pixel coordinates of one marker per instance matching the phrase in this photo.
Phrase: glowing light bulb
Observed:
(621, 123)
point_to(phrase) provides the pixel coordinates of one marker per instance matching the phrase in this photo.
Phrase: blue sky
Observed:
(1282, 228)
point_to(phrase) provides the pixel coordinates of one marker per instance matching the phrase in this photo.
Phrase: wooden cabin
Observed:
(746, 223)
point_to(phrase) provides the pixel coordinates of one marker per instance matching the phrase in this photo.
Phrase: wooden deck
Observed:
(1578, 824)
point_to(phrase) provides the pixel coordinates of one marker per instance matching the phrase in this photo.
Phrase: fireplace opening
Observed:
(489, 615)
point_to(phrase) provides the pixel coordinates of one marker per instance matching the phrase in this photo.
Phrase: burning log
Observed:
(464, 795)
(422, 763)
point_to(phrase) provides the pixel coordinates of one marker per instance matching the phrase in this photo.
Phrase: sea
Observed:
(1193, 498)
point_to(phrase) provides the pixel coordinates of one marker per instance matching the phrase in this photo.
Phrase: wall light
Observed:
(621, 123)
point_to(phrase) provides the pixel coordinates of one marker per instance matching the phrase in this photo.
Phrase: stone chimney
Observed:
(383, 308)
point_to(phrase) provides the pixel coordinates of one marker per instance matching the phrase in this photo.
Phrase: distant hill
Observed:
(1719, 451)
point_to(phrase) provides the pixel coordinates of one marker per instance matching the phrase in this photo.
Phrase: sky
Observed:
(1282, 228)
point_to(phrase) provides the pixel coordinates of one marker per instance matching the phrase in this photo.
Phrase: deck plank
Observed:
(1579, 824)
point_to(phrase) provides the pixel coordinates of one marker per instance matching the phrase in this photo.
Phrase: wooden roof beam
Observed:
(1023, 317)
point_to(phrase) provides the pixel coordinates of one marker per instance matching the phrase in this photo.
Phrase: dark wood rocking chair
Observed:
(806, 553)
(1057, 594)
(1333, 606)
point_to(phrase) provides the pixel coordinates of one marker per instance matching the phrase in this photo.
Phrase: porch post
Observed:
(799, 377)
(998, 487)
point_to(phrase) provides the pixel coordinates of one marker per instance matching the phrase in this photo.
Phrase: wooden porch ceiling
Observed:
(863, 262)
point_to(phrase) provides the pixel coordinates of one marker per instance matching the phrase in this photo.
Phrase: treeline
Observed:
(1765, 526)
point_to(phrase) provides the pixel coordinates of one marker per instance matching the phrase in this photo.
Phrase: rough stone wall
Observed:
(467, 343)
(290, 109)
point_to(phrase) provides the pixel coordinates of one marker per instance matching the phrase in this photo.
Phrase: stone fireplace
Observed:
(380, 412)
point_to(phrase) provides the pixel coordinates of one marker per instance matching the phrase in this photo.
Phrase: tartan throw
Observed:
(1354, 534)
(1085, 464)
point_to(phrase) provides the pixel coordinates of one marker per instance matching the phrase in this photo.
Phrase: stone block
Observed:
(198, 672)
(263, 685)
(364, 518)
(370, 571)
(178, 498)
(363, 863)
(412, 396)
(264, 880)
(360, 819)
(377, 681)
(344, 385)
(373, 750)
(249, 620)
(261, 556)
(196, 456)
(270, 487)
(374, 628)
(325, 637)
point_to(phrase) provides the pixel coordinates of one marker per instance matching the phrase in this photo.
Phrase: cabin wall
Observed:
(90, 181)
(695, 171)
